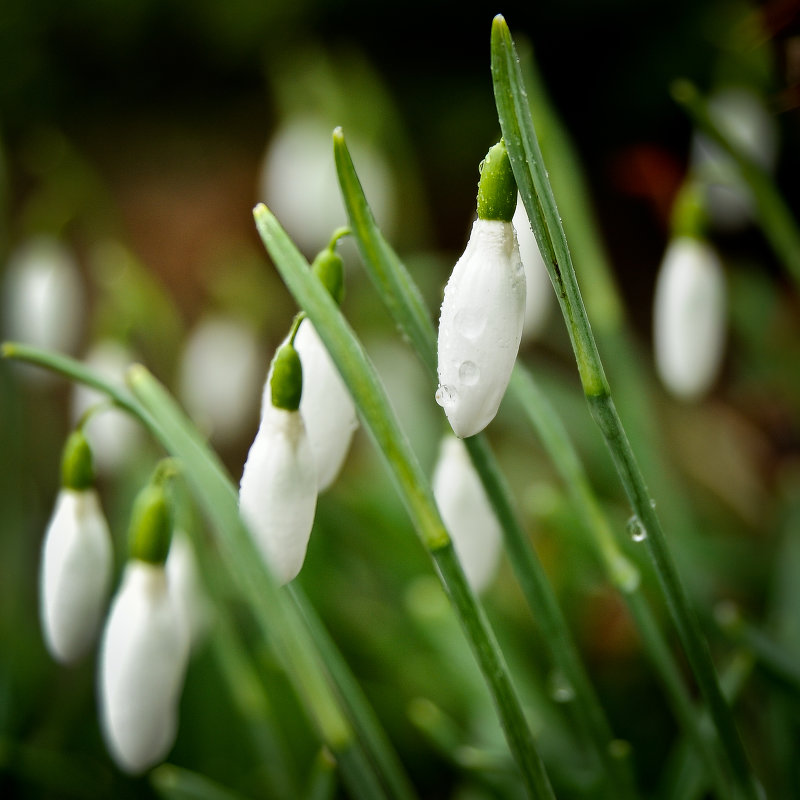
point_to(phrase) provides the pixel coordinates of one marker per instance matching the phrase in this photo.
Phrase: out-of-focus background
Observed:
(135, 138)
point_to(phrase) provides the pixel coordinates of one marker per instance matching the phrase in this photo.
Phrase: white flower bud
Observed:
(480, 327)
(220, 372)
(467, 513)
(689, 318)
(113, 434)
(76, 567)
(186, 587)
(539, 291)
(143, 660)
(327, 409)
(278, 491)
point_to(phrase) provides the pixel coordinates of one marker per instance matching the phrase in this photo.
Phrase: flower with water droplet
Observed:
(278, 490)
(689, 317)
(145, 646)
(467, 513)
(483, 310)
(77, 559)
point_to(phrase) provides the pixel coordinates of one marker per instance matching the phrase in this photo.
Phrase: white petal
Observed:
(689, 318)
(326, 406)
(186, 587)
(113, 434)
(466, 512)
(142, 665)
(75, 575)
(480, 327)
(539, 291)
(219, 375)
(278, 491)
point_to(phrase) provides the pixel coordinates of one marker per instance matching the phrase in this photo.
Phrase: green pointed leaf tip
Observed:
(151, 525)
(328, 266)
(497, 189)
(286, 385)
(77, 471)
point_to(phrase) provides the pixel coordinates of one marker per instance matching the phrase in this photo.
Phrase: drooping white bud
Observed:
(186, 587)
(742, 116)
(142, 665)
(327, 409)
(220, 371)
(480, 327)
(539, 291)
(689, 317)
(113, 434)
(75, 576)
(278, 490)
(467, 514)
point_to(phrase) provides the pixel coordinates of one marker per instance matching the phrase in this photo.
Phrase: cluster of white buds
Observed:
(307, 423)
(153, 616)
(467, 513)
(483, 310)
(145, 646)
(77, 559)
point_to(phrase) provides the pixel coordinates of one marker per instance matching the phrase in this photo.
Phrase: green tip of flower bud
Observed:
(329, 268)
(286, 385)
(497, 189)
(151, 525)
(77, 471)
(689, 213)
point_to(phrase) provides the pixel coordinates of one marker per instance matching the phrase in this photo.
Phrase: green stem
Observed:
(380, 420)
(277, 619)
(537, 195)
(402, 298)
(773, 214)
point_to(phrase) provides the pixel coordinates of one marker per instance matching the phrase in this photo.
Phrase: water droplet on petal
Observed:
(469, 373)
(470, 322)
(636, 530)
(445, 395)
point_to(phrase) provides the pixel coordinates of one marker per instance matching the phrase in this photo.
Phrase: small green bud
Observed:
(151, 525)
(77, 471)
(689, 214)
(329, 268)
(497, 188)
(286, 385)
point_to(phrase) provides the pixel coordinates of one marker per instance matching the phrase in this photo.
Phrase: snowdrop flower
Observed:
(689, 317)
(741, 114)
(145, 646)
(298, 182)
(483, 311)
(43, 297)
(186, 587)
(278, 490)
(539, 290)
(77, 559)
(220, 372)
(113, 434)
(467, 513)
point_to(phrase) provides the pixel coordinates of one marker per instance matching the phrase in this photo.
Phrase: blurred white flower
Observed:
(480, 327)
(186, 587)
(741, 114)
(143, 660)
(43, 298)
(467, 513)
(219, 376)
(539, 292)
(113, 434)
(298, 182)
(278, 491)
(75, 575)
(327, 409)
(689, 317)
